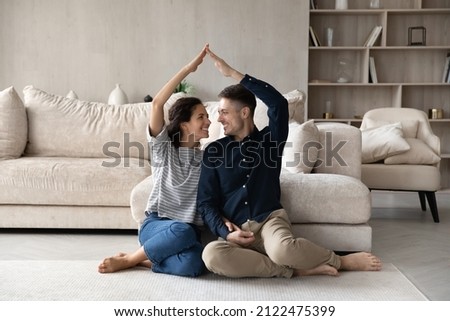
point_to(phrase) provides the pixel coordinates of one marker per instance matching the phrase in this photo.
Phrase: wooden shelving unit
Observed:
(408, 76)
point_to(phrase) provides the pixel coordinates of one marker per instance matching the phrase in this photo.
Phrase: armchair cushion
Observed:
(409, 126)
(419, 153)
(381, 142)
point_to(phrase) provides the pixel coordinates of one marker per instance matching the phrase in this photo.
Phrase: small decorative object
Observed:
(72, 95)
(117, 96)
(435, 113)
(374, 4)
(328, 114)
(344, 70)
(417, 36)
(329, 37)
(341, 4)
(184, 87)
(148, 99)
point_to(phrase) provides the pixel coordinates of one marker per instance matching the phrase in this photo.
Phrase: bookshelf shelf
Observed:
(408, 76)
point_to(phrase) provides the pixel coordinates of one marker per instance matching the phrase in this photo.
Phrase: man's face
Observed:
(230, 116)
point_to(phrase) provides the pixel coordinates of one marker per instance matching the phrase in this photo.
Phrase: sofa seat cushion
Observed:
(70, 181)
(401, 177)
(325, 198)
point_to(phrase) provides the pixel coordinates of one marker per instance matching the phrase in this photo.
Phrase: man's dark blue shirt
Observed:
(240, 180)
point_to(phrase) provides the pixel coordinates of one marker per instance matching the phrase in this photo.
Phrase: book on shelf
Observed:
(446, 71)
(373, 36)
(372, 70)
(314, 38)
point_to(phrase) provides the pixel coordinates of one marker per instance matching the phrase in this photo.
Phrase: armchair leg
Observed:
(423, 203)
(431, 197)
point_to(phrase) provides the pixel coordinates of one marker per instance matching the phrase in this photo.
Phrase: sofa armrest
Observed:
(139, 198)
(341, 150)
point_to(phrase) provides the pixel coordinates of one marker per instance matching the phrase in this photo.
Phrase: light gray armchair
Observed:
(390, 164)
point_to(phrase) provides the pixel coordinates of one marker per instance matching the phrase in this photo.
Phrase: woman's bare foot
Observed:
(361, 261)
(324, 269)
(121, 261)
(146, 263)
(114, 264)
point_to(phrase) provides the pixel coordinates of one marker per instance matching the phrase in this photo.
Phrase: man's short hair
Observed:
(240, 94)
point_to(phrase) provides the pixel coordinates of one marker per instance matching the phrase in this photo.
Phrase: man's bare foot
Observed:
(361, 261)
(324, 269)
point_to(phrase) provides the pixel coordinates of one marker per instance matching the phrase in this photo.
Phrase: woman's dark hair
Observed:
(179, 113)
(241, 95)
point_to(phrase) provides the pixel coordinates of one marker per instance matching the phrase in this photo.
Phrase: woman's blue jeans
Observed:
(173, 247)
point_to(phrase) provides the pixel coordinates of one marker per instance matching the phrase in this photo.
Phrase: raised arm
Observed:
(156, 122)
(224, 68)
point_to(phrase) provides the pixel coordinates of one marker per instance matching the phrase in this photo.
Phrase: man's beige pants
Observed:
(275, 252)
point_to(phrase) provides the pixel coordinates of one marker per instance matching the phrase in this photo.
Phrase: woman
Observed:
(170, 234)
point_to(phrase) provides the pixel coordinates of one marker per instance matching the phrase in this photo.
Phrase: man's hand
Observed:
(240, 237)
(223, 67)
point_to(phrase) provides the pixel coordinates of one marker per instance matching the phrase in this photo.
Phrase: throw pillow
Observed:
(13, 124)
(381, 142)
(296, 101)
(302, 147)
(409, 126)
(419, 154)
(60, 126)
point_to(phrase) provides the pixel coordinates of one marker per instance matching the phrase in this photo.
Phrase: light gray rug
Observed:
(80, 281)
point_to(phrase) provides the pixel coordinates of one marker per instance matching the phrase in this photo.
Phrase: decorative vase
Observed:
(341, 4)
(72, 95)
(117, 96)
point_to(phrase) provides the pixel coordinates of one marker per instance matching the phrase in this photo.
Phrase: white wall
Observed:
(89, 45)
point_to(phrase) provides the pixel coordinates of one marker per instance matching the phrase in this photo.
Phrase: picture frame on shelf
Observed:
(417, 36)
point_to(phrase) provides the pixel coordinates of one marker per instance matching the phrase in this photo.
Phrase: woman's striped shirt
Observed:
(175, 172)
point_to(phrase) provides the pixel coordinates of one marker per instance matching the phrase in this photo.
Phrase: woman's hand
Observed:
(193, 65)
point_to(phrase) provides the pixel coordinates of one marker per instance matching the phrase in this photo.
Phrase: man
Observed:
(239, 193)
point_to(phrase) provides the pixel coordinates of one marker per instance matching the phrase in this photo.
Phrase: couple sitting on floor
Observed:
(236, 196)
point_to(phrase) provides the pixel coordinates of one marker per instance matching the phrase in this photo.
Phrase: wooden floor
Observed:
(402, 235)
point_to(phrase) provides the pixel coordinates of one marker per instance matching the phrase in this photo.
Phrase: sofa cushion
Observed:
(419, 153)
(70, 181)
(381, 142)
(307, 198)
(13, 124)
(296, 101)
(65, 127)
(324, 198)
(302, 147)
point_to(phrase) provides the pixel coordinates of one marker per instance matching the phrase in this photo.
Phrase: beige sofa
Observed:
(66, 163)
